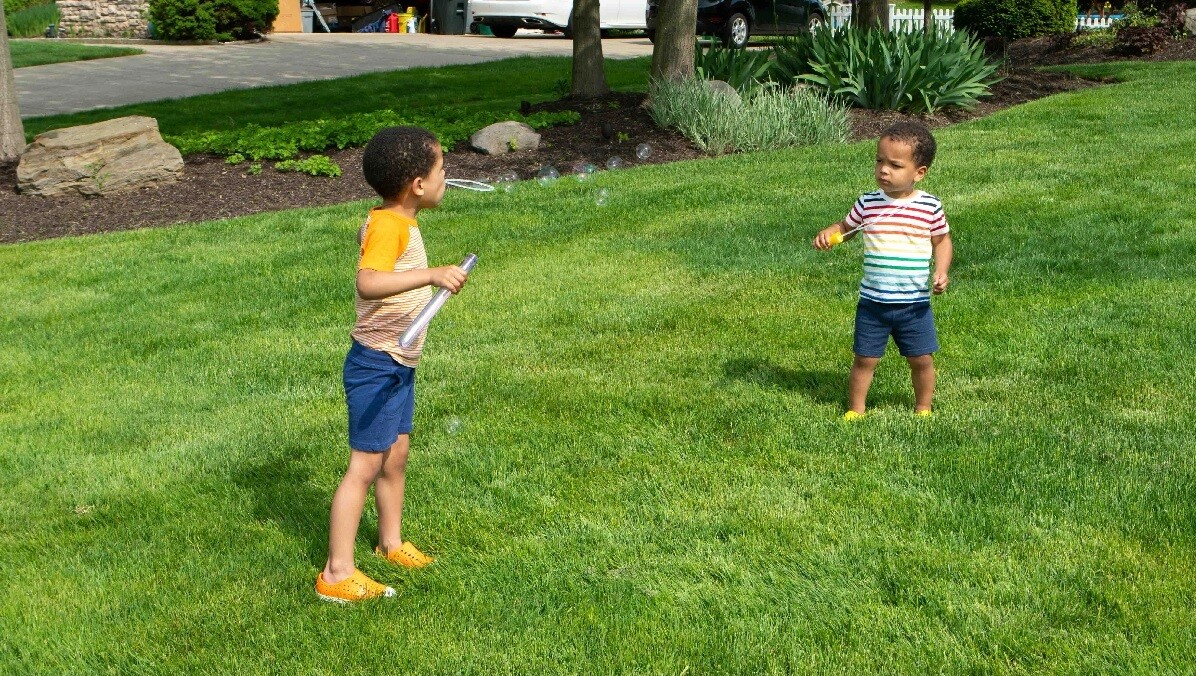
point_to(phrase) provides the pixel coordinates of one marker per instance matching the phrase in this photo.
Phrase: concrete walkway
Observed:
(168, 72)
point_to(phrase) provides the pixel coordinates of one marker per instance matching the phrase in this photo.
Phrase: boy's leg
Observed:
(388, 493)
(861, 379)
(347, 505)
(922, 371)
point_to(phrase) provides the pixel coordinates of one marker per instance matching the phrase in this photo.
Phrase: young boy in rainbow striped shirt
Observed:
(903, 229)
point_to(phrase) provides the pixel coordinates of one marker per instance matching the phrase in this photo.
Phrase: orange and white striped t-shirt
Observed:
(390, 241)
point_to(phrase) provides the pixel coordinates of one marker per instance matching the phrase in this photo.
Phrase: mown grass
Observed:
(628, 456)
(497, 85)
(27, 53)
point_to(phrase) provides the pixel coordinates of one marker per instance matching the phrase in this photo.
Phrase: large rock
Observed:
(724, 88)
(99, 159)
(1190, 22)
(504, 137)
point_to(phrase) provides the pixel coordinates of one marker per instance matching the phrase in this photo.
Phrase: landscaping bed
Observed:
(214, 189)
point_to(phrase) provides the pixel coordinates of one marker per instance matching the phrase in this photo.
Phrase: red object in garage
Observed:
(392, 23)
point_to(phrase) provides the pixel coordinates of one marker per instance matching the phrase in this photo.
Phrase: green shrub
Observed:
(1014, 19)
(13, 6)
(243, 19)
(212, 19)
(1097, 37)
(316, 165)
(743, 69)
(913, 72)
(769, 117)
(182, 19)
(32, 22)
(253, 142)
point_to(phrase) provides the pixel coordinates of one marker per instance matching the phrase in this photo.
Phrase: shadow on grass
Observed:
(824, 387)
(284, 494)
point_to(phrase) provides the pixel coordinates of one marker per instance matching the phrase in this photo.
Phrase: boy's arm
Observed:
(376, 284)
(943, 252)
(822, 241)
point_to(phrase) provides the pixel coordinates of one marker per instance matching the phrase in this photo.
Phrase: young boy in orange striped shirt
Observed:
(405, 166)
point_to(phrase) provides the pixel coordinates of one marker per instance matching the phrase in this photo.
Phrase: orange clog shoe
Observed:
(406, 555)
(356, 587)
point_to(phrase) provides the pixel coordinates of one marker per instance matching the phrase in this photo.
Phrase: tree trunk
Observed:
(589, 79)
(12, 133)
(673, 53)
(927, 16)
(871, 14)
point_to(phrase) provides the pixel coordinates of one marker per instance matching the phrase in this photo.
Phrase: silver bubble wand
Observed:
(425, 315)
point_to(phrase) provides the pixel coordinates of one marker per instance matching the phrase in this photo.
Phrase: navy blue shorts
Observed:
(910, 324)
(380, 393)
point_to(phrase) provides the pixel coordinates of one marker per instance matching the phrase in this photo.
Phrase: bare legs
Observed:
(387, 472)
(921, 372)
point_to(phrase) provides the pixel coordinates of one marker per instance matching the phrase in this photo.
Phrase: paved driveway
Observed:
(167, 72)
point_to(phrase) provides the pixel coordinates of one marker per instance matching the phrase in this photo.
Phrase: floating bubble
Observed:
(583, 170)
(506, 181)
(452, 425)
(614, 162)
(547, 175)
(602, 197)
(643, 151)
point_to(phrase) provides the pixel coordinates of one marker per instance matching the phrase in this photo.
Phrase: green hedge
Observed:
(13, 6)
(1014, 19)
(212, 19)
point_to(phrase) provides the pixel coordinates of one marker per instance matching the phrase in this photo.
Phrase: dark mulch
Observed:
(213, 189)
(1058, 50)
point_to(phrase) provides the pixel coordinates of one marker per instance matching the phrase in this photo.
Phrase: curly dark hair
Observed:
(396, 156)
(917, 136)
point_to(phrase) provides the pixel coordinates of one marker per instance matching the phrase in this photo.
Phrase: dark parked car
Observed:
(736, 20)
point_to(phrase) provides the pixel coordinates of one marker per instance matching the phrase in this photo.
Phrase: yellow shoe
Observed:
(356, 587)
(406, 555)
(852, 415)
(928, 413)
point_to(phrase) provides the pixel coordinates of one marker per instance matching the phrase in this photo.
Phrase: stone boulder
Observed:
(99, 159)
(720, 87)
(1190, 22)
(504, 137)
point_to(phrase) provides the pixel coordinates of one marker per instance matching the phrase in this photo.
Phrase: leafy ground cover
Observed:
(41, 52)
(628, 453)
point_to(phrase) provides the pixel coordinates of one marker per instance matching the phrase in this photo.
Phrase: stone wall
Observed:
(104, 18)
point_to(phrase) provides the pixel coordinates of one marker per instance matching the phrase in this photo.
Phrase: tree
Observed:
(589, 79)
(927, 16)
(870, 14)
(12, 133)
(673, 52)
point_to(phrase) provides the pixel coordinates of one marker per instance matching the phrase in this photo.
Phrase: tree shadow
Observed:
(285, 495)
(822, 386)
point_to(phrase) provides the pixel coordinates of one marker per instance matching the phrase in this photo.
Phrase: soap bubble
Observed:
(547, 175)
(602, 197)
(452, 425)
(614, 162)
(643, 151)
(583, 170)
(506, 180)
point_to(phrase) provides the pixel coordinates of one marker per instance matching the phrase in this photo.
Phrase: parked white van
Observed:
(504, 17)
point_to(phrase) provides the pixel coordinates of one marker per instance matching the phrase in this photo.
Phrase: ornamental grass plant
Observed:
(770, 117)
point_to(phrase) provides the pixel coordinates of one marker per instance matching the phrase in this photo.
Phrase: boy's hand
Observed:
(822, 241)
(940, 282)
(448, 277)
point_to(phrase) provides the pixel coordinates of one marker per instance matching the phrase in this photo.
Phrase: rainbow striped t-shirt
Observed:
(897, 248)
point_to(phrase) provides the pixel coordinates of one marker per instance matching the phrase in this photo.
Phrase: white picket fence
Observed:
(910, 20)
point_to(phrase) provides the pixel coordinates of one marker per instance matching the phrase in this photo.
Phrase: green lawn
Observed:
(628, 454)
(41, 52)
(498, 85)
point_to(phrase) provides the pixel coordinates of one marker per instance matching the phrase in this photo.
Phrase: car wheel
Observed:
(735, 35)
(816, 22)
(651, 36)
(568, 30)
(503, 31)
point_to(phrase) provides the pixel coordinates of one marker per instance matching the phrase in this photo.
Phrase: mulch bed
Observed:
(213, 189)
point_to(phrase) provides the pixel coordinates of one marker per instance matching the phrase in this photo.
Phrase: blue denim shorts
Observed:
(910, 324)
(380, 393)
